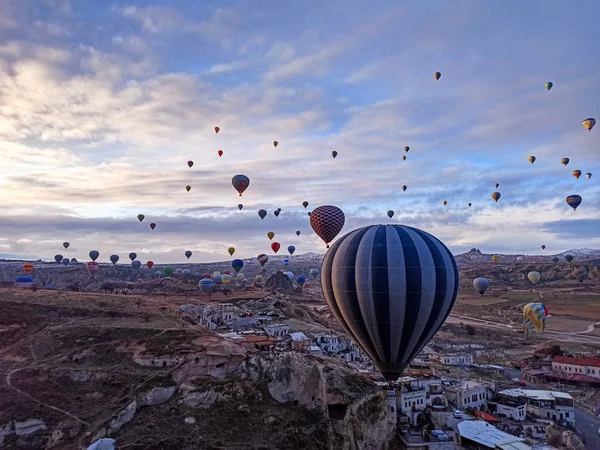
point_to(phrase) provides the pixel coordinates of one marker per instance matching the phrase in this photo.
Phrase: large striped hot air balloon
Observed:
(391, 287)
(534, 317)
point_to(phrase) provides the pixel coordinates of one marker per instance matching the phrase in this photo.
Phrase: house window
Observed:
(567, 414)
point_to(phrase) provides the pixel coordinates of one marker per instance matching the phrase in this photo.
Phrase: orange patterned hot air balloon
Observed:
(28, 268)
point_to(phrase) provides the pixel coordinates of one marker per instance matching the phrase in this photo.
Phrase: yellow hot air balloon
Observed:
(589, 123)
(534, 277)
(231, 250)
(495, 258)
(532, 159)
(270, 235)
(577, 173)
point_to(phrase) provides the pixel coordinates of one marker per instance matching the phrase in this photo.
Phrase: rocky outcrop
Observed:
(125, 416)
(566, 440)
(156, 396)
(279, 281)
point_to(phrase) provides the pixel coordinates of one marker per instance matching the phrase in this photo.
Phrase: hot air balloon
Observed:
(28, 268)
(437, 76)
(580, 274)
(588, 175)
(391, 287)
(226, 278)
(220, 152)
(149, 264)
(301, 280)
(152, 226)
(314, 273)
(297, 232)
(444, 203)
(262, 259)
(241, 276)
(188, 188)
(206, 285)
(289, 275)
(188, 254)
(291, 249)
(217, 278)
(481, 285)
(390, 213)
(186, 273)
(534, 317)
(305, 204)
(167, 271)
(258, 279)
(262, 213)
(327, 221)
(190, 163)
(217, 129)
(66, 245)
(469, 204)
(275, 246)
(496, 196)
(286, 262)
(240, 183)
(231, 251)
(91, 267)
(574, 201)
(237, 265)
(554, 259)
(519, 259)
(94, 254)
(543, 247)
(114, 258)
(132, 256)
(275, 143)
(158, 274)
(403, 157)
(532, 159)
(406, 149)
(589, 123)
(24, 281)
(58, 258)
(276, 212)
(66, 262)
(404, 188)
(495, 258)
(309, 214)
(534, 277)
(140, 217)
(577, 173)
(270, 235)
(240, 206)
(565, 161)
(334, 154)
(136, 264)
(548, 85)
(568, 258)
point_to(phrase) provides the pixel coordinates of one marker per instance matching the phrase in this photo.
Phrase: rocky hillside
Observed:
(75, 368)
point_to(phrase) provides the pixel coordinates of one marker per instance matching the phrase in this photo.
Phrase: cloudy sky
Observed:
(103, 103)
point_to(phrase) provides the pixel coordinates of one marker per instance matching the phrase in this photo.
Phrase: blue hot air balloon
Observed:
(237, 265)
(217, 278)
(188, 254)
(132, 256)
(574, 201)
(286, 261)
(290, 275)
(114, 258)
(186, 273)
(391, 287)
(58, 258)
(206, 285)
(291, 249)
(94, 254)
(24, 281)
(301, 280)
(136, 264)
(66, 261)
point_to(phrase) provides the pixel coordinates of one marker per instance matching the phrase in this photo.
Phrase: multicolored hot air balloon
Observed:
(569, 258)
(534, 277)
(588, 175)
(240, 183)
(289, 275)
(532, 159)
(437, 76)
(226, 278)
(262, 213)
(406, 149)
(262, 259)
(543, 247)
(327, 221)
(404, 188)
(481, 285)
(27, 268)
(497, 185)
(577, 173)
(574, 201)
(403, 157)
(444, 203)
(391, 287)
(565, 161)
(534, 318)
(548, 85)
(589, 123)
(275, 246)
(231, 251)
(496, 196)
(206, 285)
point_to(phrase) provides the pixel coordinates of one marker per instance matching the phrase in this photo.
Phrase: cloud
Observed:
(98, 119)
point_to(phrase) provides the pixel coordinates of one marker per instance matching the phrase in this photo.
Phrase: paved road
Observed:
(586, 424)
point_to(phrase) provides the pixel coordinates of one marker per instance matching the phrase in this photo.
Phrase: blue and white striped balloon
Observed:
(391, 287)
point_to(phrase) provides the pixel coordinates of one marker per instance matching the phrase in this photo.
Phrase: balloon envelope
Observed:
(132, 256)
(94, 254)
(481, 285)
(237, 264)
(188, 254)
(574, 201)
(327, 221)
(206, 285)
(262, 213)
(240, 183)
(58, 258)
(136, 264)
(391, 287)
(291, 249)
(114, 258)
(534, 277)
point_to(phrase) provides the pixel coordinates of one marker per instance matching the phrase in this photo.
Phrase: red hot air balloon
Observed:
(92, 266)
(275, 246)
(220, 152)
(153, 225)
(327, 221)
(149, 264)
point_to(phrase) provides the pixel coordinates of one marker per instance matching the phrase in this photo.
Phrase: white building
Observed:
(330, 343)
(484, 435)
(557, 406)
(226, 311)
(579, 366)
(468, 394)
(315, 350)
(457, 360)
(277, 330)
